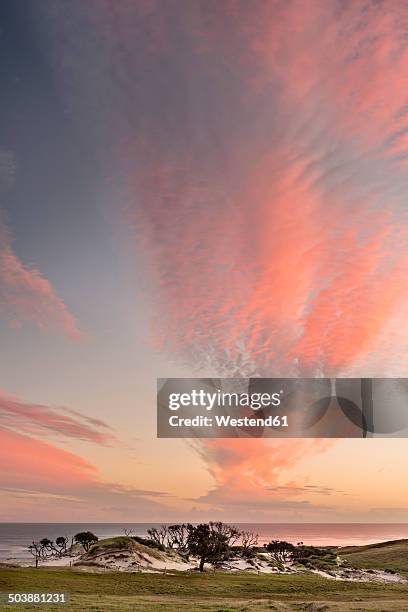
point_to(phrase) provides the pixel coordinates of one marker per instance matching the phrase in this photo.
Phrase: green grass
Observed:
(386, 555)
(121, 543)
(195, 592)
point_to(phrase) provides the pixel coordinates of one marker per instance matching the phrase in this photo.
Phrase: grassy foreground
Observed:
(222, 592)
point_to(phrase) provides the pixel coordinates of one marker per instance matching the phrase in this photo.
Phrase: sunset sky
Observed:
(197, 188)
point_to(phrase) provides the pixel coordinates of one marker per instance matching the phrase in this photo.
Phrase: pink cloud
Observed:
(279, 247)
(282, 128)
(271, 208)
(36, 418)
(26, 296)
(248, 476)
(56, 482)
(27, 462)
(286, 253)
(60, 485)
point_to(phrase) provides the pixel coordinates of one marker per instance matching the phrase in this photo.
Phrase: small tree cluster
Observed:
(177, 536)
(171, 536)
(159, 535)
(211, 542)
(248, 541)
(47, 548)
(280, 550)
(86, 539)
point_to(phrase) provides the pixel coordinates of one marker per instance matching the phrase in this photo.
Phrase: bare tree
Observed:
(229, 532)
(37, 550)
(248, 540)
(128, 532)
(159, 535)
(177, 536)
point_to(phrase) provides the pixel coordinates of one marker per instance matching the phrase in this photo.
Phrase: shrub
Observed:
(149, 543)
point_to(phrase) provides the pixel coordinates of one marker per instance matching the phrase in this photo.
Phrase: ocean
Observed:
(15, 537)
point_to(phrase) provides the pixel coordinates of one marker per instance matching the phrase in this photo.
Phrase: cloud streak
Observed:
(39, 419)
(27, 297)
(55, 483)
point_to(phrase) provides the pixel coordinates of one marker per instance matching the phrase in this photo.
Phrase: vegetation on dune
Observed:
(117, 541)
(86, 539)
(209, 542)
(149, 543)
(46, 548)
(217, 543)
(122, 543)
(384, 555)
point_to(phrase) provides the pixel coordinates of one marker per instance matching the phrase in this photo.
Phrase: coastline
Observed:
(14, 537)
(124, 555)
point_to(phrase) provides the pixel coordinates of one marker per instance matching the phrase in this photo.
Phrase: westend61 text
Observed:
(228, 421)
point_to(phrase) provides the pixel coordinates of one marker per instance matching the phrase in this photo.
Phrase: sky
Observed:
(192, 189)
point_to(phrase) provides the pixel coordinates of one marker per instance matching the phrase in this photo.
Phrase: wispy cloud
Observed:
(268, 191)
(305, 489)
(39, 419)
(52, 479)
(58, 483)
(27, 297)
(277, 239)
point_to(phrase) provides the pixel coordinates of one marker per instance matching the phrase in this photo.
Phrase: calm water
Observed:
(14, 537)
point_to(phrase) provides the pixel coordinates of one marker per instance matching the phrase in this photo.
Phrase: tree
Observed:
(159, 535)
(303, 553)
(46, 547)
(177, 536)
(128, 532)
(280, 550)
(37, 550)
(86, 539)
(229, 532)
(61, 544)
(248, 539)
(210, 542)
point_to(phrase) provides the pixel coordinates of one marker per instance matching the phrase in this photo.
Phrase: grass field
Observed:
(222, 592)
(386, 555)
